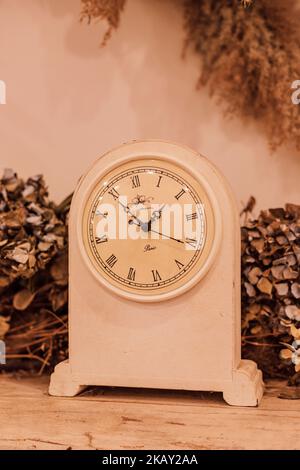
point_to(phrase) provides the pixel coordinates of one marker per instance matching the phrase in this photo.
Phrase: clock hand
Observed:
(167, 236)
(156, 214)
(127, 209)
(146, 227)
(135, 221)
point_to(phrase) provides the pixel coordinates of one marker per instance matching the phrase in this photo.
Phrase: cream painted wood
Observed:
(192, 340)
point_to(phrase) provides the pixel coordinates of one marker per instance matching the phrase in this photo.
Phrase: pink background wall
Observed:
(68, 100)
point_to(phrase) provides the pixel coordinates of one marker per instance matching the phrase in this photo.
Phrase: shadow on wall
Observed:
(84, 99)
(160, 91)
(159, 88)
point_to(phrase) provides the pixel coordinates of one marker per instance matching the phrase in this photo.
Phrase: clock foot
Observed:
(247, 386)
(62, 383)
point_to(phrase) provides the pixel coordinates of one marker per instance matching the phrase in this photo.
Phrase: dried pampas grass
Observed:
(249, 59)
(109, 10)
(250, 56)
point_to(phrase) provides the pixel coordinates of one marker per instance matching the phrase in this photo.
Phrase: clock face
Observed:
(148, 227)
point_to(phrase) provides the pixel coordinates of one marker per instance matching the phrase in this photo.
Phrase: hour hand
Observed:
(135, 221)
(155, 215)
(134, 218)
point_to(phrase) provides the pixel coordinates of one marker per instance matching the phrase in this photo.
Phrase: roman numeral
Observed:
(191, 241)
(181, 193)
(135, 180)
(156, 275)
(114, 193)
(179, 264)
(111, 261)
(191, 216)
(158, 182)
(131, 274)
(101, 239)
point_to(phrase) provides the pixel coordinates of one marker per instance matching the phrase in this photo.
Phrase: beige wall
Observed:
(69, 100)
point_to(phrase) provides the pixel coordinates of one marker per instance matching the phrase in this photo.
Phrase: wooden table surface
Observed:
(143, 419)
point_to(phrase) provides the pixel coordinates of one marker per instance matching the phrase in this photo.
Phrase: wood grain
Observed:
(142, 419)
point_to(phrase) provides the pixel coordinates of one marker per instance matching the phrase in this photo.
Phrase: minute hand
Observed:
(167, 236)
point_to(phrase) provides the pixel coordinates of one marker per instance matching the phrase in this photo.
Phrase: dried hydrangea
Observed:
(33, 271)
(271, 289)
(30, 231)
(34, 280)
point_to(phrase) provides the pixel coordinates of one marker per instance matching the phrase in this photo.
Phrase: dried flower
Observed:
(250, 57)
(109, 10)
(270, 288)
(33, 272)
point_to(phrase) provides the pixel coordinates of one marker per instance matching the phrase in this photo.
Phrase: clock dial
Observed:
(148, 226)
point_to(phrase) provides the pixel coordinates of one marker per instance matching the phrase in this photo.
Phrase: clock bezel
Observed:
(163, 151)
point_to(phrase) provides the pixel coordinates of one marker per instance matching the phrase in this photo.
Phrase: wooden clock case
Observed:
(192, 340)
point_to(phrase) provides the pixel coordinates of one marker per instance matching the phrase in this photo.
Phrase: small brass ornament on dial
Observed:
(167, 232)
